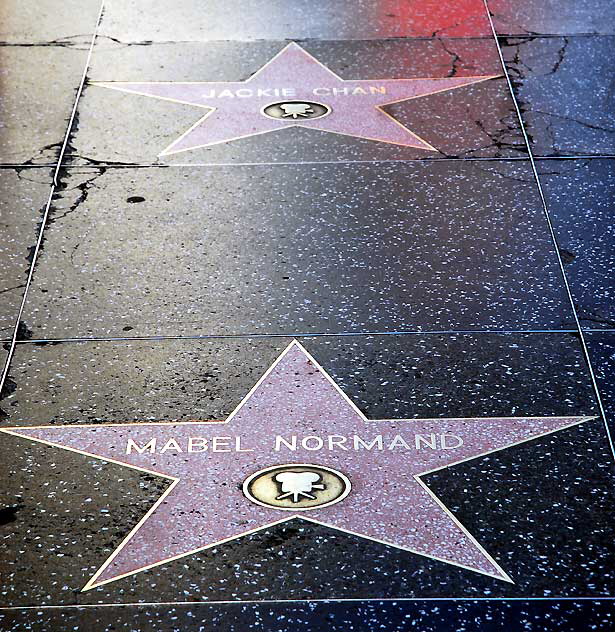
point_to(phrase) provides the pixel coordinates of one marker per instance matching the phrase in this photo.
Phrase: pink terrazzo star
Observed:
(204, 505)
(235, 109)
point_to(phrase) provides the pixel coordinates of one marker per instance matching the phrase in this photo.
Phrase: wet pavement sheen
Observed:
(317, 240)
(278, 254)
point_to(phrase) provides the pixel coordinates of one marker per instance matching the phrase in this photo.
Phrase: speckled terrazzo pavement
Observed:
(545, 68)
(410, 295)
(580, 194)
(553, 17)
(279, 255)
(337, 617)
(392, 376)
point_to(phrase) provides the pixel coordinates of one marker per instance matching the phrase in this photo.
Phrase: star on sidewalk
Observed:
(204, 505)
(236, 109)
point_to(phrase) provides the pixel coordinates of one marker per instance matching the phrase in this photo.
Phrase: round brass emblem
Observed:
(296, 487)
(296, 111)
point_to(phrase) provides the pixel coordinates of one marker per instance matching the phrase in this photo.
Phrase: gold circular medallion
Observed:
(296, 487)
(296, 111)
